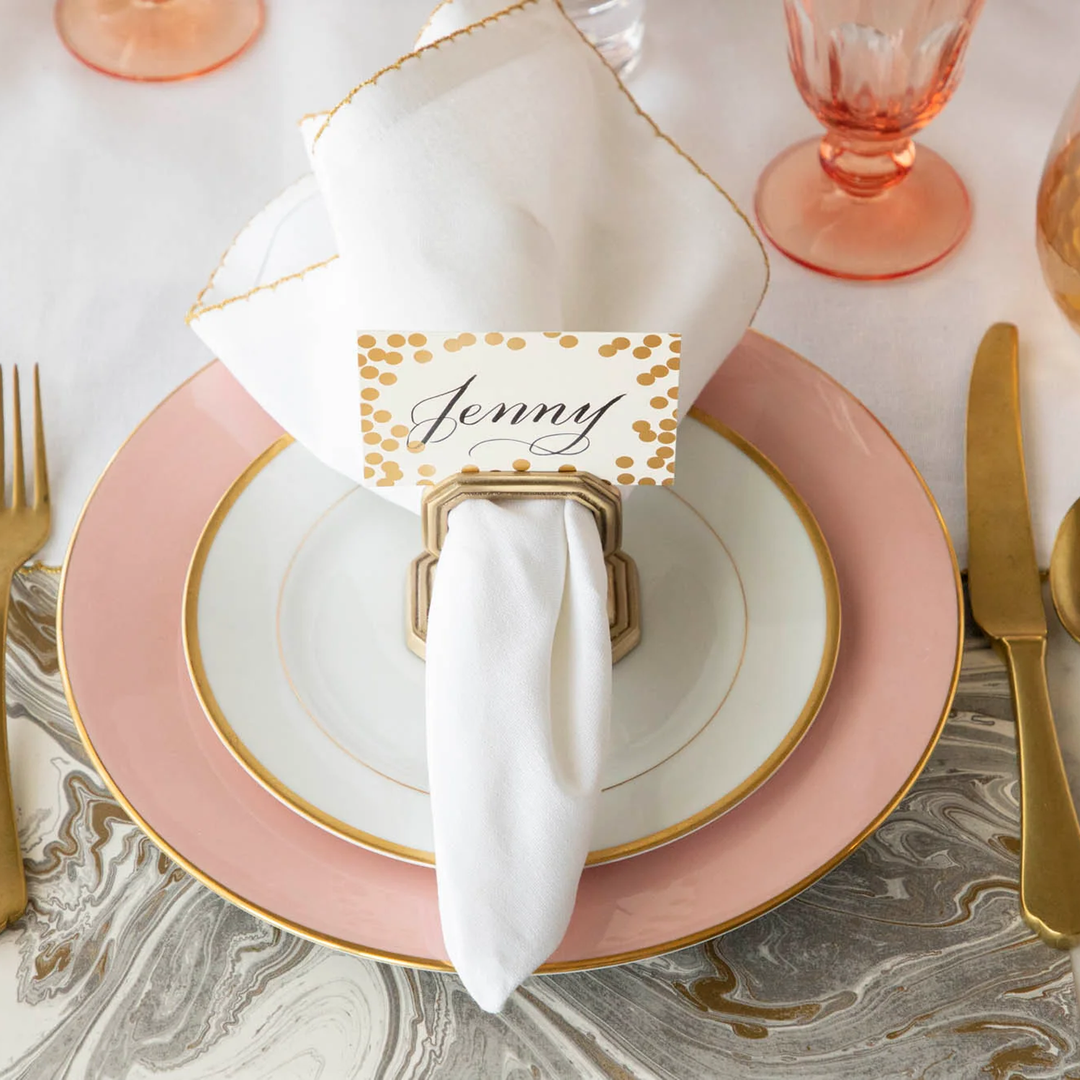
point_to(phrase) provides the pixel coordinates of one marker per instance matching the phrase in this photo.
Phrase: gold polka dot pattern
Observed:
(654, 369)
(379, 433)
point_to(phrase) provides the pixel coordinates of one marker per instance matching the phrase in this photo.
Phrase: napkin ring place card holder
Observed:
(471, 414)
(599, 497)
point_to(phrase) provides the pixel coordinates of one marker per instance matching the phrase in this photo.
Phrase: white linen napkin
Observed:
(499, 178)
(518, 700)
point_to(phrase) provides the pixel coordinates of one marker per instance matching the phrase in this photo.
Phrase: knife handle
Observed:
(1049, 830)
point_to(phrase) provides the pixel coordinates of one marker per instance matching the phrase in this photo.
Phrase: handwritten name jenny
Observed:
(435, 419)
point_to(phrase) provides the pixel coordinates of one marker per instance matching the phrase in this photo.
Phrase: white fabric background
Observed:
(118, 199)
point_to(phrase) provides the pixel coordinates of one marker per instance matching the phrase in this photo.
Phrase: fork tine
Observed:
(41, 470)
(18, 480)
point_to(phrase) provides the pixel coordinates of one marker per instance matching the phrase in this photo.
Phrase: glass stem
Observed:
(865, 168)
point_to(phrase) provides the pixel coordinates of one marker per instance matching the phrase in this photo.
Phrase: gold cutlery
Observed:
(1006, 600)
(23, 530)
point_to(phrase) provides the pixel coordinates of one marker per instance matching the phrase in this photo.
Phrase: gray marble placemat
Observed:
(908, 960)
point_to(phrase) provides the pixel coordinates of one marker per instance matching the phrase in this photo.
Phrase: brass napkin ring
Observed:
(596, 495)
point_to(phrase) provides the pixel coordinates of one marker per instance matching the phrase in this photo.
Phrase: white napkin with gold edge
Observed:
(500, 178)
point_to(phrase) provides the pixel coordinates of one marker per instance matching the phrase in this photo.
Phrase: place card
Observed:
(436, 404)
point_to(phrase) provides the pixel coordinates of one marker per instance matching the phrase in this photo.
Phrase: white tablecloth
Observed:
(118, 199)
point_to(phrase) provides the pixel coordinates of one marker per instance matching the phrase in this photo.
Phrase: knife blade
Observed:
(1006, 600)
(1003, 575)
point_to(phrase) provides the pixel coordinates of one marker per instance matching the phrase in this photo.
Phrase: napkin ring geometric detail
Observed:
(598, 496)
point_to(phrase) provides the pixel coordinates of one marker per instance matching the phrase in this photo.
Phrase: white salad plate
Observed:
(294, 629)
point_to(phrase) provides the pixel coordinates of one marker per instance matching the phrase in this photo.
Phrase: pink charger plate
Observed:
(127, 683)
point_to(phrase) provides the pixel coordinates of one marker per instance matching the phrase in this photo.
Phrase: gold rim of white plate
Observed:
(280, 790)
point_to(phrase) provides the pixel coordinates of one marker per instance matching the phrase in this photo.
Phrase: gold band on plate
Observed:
(243, 754)
(626, 957)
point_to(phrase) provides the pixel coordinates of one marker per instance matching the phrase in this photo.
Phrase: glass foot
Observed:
(157, 40)
(906, 228)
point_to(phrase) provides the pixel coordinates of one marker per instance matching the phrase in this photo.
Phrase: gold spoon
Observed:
(1065, 571)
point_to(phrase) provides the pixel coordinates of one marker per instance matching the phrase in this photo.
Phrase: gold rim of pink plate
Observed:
(751, 343)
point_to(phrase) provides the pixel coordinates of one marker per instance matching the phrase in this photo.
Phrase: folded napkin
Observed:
(498, 178)
(518, 701)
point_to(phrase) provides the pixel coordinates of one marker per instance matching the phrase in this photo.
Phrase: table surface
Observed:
(910, 959)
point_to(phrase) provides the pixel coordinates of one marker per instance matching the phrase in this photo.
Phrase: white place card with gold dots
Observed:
(436, 404)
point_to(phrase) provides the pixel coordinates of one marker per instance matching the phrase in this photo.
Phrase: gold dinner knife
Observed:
(1006, 600)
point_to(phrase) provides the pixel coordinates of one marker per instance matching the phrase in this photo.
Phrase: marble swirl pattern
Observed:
(908, 960)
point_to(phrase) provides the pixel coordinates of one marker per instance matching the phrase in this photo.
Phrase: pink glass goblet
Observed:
(864, 201)
(157, 40)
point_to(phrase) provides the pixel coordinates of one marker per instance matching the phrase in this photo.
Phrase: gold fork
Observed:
(23, 530)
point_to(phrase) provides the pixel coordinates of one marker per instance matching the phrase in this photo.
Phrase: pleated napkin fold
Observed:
(498, 178)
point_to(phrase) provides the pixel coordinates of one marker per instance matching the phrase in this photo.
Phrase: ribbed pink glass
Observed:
(157, 40)
(864, 201)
